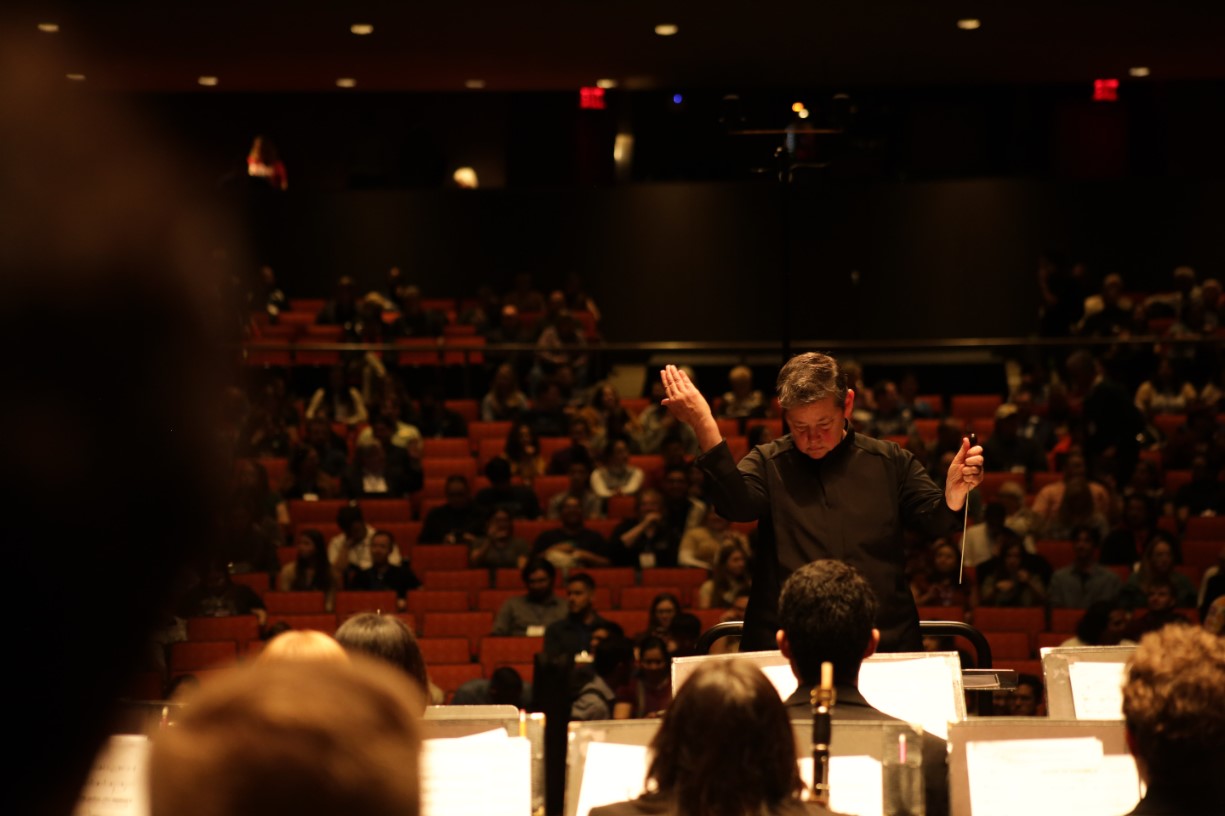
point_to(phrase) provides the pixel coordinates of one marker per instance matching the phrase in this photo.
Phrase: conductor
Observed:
(823, 491)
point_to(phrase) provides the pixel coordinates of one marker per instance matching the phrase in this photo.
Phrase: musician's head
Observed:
(725, 746)
(827, 613)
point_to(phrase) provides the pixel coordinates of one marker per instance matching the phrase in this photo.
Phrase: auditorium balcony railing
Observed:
(953, 364)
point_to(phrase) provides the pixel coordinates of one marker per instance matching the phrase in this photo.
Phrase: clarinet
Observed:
(822, 706)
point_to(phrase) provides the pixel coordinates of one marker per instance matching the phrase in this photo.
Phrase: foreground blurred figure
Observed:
(725, 749)
(271, 738)
(1174, 705)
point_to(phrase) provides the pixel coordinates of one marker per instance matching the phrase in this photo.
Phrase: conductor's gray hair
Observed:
(811, 377)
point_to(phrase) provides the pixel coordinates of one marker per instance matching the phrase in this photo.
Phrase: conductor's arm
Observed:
(687, 404)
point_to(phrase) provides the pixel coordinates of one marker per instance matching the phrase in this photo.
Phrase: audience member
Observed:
(332, 454)
(730, 578)
(340, 738)
(1007, 450)
(217, 596)
(503, 687)
(615, 476)
(530, 614)
(562, 344)
(395, 434)
(645, 539)
(664, 608)
(1160, 610)
(516, 499)
(1027, 699)
(382, 574)
(548, 416)
(682, 512)
(573, 544)
(1107, 314)
(1138, 531)
(435, 420)
(370, 477)
(572, 634)
(649, 692)
(504, 402)
(1175, 721)
(1103, 624)
(352, 546)
(1157, 566)
(340, 401)
(522, 452)
(700, 545)
(456, 521)
(595, 682)
(1163, 393)
(1084, 581)
(741, 401)
(414, 319)
(1072, 501)
(1109, 417)
(657, 424)
(580, 488)
(608, 418)
(1031, 424)
(1017, 516)
(827, 613)
(579, 449)
(499, 547)
(940, 584)
(311, 570)
(890, 417)
(1010, 584)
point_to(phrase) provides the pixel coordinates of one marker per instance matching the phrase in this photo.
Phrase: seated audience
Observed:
(607, 418)
(516, 499)
(1027, 699)
(311, 570)
(681, 510)
(700, 545)
(1017, 516)
(826, 613)
(595, 683)
(940, 584)
(645, 540)
(657, 424)
(741, 401)
(1103, 624)
(579, 450)
(352, 546)
(1175, 721)
(499, 547)
(548, 416)
(1138, 532)
(1157, 565)
(1084, 581)
(649, 692)
(305, 479)
(333, 452)
(1160, 611)
(504, 402)
(371, 478)
(729, 579)
(573, 544)
(270, 737)
(382, 574)
(1010, 583)
(530, 614)
(504, 687)
(572, 633)
(890, 418)
(1089, 502)
(522, 452)
(455, 522)
(1164, 392)
(217, 596)
(697, 770)
(435, 420)
(341, 401)
(579, 488)
(615, 476)
(664, 608)
(1007, 450)
(387, 427)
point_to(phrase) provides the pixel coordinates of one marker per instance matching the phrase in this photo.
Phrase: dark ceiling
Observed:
(305, 46)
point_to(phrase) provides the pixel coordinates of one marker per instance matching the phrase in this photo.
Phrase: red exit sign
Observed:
(591, 98)
(1105, 90)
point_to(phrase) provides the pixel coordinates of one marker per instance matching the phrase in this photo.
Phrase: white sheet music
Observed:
(854, 784)
(1097, 689)
(505, 787)
(118, 783)
(1073, 775)
(917, 691)
(782, 678)
(612, 773)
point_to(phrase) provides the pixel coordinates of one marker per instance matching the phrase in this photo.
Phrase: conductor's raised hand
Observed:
(965, 474)
(685, 402)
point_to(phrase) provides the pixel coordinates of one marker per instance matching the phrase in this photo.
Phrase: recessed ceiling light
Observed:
(606, 84)
(666, 29)
(76, 77)
(1139, 71)
(803, 114)
(48, 28)
(969, 24)
(207, 81)
(474, 84)
(346, 82)
(362, 29)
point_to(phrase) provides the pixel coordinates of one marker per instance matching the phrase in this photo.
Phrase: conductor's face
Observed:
(817, 428)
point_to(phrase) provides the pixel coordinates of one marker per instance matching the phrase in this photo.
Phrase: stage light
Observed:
(606, 84)
(207, 81)
(1139, 71)
(474, 84)
(803, 114)
(677, 99)
(362, 29)
(76, 77)
(346, 82)
(796, 107)
(969, 24)
(667, 29)
(48, 28)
